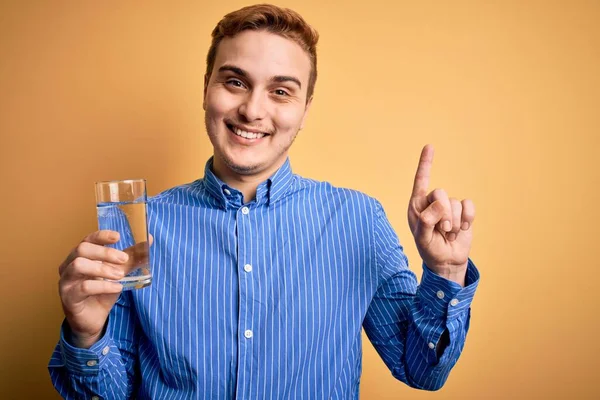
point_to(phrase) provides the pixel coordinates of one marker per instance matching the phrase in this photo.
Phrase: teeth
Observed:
(247, 135)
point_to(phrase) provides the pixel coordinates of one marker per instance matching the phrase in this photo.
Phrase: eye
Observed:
(235, 83)
(281, 92)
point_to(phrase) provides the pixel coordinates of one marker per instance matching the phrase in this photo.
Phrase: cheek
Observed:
(289, 119)
(219, 104)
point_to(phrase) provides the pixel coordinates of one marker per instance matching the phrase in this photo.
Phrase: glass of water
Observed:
(121, 207)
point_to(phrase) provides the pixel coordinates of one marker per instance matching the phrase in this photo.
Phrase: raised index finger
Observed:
(423, 171)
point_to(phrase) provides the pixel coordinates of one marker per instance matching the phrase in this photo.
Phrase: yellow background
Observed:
(507, 91)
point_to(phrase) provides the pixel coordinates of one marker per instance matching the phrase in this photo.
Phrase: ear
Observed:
(205, 87)
(308, 103)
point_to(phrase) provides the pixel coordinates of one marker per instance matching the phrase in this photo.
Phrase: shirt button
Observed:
(431, 345)
(227, 192)
(440, 294)
(453, 302)
(245, 210)
(248, 268)
(248, 334)
(91, 363)
(105, 350)
(95, 398)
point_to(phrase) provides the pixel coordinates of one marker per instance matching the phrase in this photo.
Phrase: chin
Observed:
(248, 168)
(243, 169)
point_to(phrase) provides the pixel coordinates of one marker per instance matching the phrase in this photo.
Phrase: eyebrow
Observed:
(233, 69)
(244, 74)
(283, 78)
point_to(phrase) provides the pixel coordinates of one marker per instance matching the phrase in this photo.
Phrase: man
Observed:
(263, 280)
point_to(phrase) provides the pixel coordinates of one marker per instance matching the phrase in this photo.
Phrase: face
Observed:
(255, 102)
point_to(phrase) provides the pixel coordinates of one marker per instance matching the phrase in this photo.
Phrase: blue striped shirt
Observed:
(267, 300)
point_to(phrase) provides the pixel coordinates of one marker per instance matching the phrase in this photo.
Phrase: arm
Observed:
(420, 332)
(96, 356)
(407, 323)
(107, 369)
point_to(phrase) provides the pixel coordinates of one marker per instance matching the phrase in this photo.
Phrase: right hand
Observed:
(86, 296)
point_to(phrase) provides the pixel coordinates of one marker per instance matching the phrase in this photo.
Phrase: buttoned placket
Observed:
(246, 331)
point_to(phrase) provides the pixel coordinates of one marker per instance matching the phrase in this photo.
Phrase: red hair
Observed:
(281, 21)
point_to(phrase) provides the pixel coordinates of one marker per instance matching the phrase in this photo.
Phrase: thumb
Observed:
(428, 219)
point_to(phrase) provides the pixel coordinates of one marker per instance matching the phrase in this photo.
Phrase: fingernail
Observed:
(123, 257)
(465, 226)
(446, 226)
(451, 236)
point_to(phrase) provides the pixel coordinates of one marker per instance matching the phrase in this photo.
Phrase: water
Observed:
(129, 219)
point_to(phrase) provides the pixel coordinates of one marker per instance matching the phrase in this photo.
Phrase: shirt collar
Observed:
(268, 191)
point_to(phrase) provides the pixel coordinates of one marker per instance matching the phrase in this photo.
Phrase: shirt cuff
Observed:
(84, 361)
(446, 298)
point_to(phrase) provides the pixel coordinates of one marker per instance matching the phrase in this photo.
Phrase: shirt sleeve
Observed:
(405, 322)
(108, 369)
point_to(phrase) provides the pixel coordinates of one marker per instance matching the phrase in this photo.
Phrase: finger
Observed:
(93, 287)
(428, 219)
(101, 237)
(82, 268)
(456, 207)
(468, 214)
(421, 182)
(445, 223)
(100, 253)
(138, 255)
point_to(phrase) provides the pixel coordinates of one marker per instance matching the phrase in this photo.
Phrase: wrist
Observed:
(454, 273)
(83, 340)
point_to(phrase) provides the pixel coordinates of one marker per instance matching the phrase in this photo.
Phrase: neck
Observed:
(247, 184)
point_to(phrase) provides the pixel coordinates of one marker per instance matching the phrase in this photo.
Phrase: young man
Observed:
(263, 280)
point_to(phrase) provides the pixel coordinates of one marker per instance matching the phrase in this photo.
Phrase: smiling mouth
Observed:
(245, 134)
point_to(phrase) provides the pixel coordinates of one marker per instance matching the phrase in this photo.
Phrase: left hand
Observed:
(442, 226)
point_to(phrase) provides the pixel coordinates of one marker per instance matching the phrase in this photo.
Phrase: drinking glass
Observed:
(121, 207)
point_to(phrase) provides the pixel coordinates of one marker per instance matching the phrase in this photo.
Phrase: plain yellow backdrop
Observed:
(508, 92)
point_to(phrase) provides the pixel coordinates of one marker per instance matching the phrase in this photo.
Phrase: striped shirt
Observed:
(267, 300)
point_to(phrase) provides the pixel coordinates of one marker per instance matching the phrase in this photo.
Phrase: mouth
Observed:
(250, 135)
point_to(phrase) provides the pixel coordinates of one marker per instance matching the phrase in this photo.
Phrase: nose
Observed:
(253, 107)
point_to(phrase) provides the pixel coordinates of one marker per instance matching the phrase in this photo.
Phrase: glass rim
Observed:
(119, 181)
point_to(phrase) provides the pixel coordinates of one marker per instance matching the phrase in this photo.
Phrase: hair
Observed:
(280, 21)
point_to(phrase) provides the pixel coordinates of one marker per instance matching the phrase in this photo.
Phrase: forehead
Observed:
(264, 55)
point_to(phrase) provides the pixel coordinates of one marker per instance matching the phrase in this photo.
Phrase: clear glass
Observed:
(121, 207)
